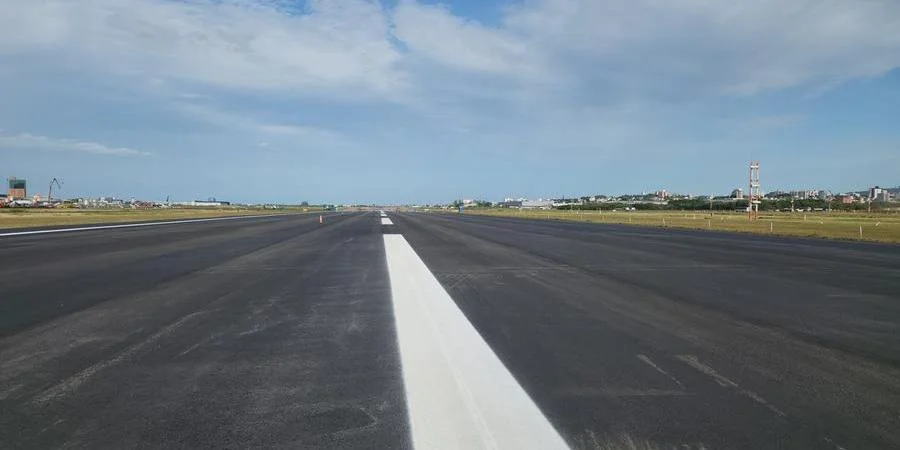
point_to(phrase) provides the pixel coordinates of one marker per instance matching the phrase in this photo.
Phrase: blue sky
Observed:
(411, 101)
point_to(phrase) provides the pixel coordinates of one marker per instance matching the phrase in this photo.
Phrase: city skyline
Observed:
(798, 193)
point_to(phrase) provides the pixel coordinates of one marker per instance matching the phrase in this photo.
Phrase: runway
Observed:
(452, 331)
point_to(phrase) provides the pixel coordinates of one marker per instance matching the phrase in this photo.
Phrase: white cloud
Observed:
(433, 32)
(619, 50)
(27, 141)
(588, 50)
(734, 47)
(237, 44)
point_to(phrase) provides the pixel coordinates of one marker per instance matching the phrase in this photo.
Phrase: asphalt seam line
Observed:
(458, 393)
(130, 225)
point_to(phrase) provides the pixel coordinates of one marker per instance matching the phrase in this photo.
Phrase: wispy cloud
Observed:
(36, 142)
(247, 123)
(771, 122)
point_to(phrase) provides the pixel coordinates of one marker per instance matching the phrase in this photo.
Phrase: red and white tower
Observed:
(755, 197)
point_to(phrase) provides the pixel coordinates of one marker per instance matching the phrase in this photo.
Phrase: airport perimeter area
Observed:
(20, 218)
(882, 227)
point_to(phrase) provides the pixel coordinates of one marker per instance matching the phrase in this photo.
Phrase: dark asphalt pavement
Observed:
(658, 338)
(279, 332)
(263, 333)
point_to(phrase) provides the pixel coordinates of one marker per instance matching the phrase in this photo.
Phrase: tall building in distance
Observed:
(879, 194)
(875, 193)
(18, 189)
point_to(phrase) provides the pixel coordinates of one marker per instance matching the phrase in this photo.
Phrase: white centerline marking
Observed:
(386, 221)
(130, 225)
(458, 393)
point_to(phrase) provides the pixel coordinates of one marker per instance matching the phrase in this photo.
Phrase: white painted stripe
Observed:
(130, 225)
(458, 393)
(386, 221)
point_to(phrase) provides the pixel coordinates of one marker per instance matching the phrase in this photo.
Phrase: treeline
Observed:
(783, 204)
(673, 205)
(610, 206)
(705, 205)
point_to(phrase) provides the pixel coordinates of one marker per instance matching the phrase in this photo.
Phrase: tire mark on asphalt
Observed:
(835, 444)
(71, 384)
(646, 360)
(695, 363)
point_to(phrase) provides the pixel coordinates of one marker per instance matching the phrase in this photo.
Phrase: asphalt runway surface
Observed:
(279, 332)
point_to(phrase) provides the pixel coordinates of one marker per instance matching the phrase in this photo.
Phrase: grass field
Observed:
(849, 226)
(23, 218)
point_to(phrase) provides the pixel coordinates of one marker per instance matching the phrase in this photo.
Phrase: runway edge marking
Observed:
(133, 225)
(458, 393)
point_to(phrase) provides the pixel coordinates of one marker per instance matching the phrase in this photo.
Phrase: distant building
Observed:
(778, 194)
(203, 203)
(876, 193)
(737, 194)
(564, 202)
(18, 189)
(537, 204)
(213, 203)
(847, 199)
